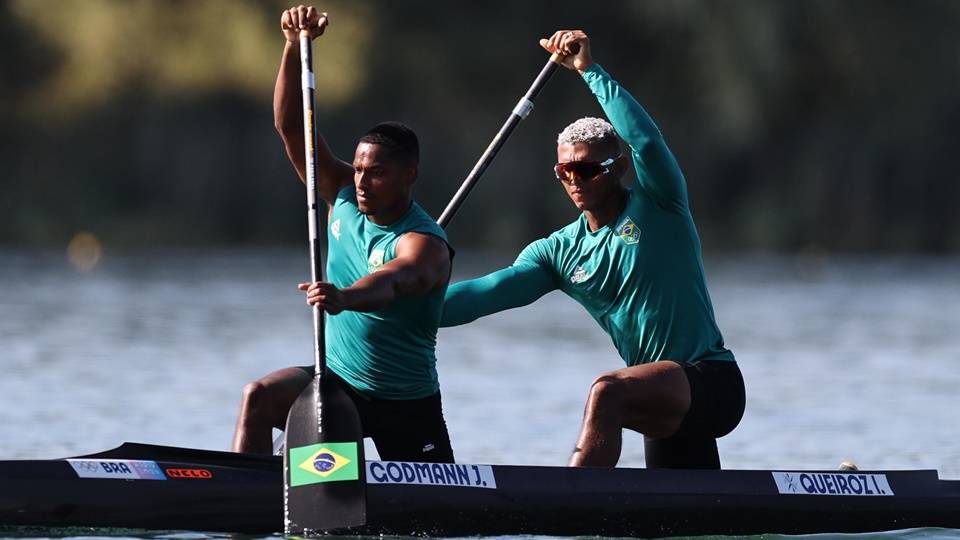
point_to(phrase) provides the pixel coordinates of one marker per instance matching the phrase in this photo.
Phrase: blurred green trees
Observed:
(826, 125)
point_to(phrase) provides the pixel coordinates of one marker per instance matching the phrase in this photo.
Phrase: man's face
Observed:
(590, 193)
(382, 182)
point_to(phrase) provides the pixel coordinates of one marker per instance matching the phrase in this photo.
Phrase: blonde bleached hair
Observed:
(589, 130)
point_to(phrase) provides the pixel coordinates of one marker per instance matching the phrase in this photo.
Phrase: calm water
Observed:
(844, 359)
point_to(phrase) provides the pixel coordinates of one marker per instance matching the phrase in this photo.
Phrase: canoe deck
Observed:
(156, 487)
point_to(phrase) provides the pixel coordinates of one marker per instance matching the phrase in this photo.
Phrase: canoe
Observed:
(156, 487)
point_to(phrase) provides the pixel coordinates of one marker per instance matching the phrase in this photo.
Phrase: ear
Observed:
(410, 173)
(622, 165)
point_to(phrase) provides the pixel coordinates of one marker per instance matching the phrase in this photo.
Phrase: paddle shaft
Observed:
(317, 505)
(307, 85)
(521, 111)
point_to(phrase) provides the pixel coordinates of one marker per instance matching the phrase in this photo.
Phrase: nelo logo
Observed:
(202, 474)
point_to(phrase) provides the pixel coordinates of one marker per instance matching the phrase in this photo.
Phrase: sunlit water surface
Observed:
(844, 359)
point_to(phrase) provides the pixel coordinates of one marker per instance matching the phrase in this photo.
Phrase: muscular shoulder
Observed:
(423, 247)
(540, 252)
(546, 251)
(346, 196)
(418, 220)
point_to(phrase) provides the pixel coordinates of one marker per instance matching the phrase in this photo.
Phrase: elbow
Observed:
(286, 122)
(284, 127)
(448, 319)
(445, 322)
(455, 312)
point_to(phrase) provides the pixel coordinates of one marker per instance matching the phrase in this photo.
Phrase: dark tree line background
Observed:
(828, 125)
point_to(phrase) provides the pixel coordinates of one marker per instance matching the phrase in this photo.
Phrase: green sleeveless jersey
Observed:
(390, 353)
(640, 276)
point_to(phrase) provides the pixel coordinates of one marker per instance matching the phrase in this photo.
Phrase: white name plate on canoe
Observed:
(431, 474)
(117, 469)
(838, 484)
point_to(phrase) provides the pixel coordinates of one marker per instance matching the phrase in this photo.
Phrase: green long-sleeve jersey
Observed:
(640, 277)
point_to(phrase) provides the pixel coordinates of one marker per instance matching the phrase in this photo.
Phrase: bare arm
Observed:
(422, 264)
(332, 173)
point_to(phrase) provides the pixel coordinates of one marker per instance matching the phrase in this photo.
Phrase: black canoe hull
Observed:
(243, 493)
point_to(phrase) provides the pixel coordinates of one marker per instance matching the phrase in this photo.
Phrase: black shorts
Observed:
(401, 429)
(717, 401)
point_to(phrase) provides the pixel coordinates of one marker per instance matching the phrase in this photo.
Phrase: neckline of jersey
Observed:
(394, 222)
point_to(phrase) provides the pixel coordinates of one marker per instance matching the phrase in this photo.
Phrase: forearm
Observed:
(288, 107)
(332, 174)
(628, 117)
(369, 294)
(504, 289)
(657, 169)
(376, 291)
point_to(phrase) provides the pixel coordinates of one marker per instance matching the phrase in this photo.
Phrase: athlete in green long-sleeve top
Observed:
(632, 259)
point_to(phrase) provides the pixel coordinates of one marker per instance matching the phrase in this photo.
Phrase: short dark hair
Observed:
(397, 138)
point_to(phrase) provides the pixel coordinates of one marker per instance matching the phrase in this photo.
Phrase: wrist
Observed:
(346, 300)
(592, 70)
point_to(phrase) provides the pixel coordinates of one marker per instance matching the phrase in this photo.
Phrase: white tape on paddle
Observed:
(312, 223)
(523, 108)
(307, 80)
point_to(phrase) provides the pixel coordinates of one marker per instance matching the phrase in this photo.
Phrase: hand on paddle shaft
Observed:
(573, 46)
(300, 18)
(324, 295)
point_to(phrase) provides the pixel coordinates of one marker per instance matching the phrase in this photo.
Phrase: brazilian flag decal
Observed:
(324, 462)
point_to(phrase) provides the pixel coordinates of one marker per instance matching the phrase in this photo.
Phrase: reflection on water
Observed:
(845, 359)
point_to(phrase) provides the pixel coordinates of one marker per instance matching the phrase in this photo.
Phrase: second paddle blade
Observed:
(324, 472)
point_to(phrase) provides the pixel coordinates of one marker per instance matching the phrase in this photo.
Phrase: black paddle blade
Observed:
(324, 473)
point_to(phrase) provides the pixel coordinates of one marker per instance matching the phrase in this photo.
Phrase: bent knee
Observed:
(607, 390)
(255, 395)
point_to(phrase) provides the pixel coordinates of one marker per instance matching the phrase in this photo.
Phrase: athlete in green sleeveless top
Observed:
(388, 266)
(633, 261)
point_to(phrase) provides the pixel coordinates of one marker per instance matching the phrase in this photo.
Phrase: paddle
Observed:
(521, 111)
(323, 464)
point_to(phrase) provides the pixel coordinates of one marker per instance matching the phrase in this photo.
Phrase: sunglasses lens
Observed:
(578, 170)
(587, 169)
